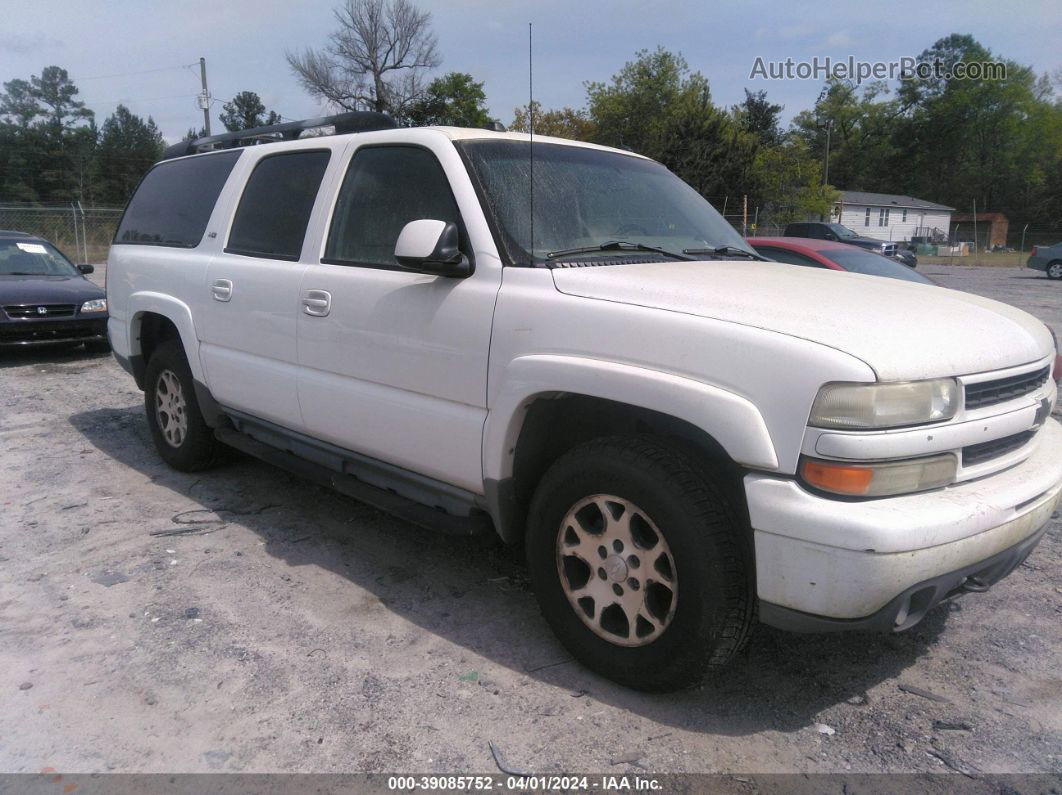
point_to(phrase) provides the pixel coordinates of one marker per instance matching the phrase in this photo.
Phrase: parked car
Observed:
(833, 256)
(905, 255)
(1047, 259)
(817, 230)
(682, 436)
(45, 299)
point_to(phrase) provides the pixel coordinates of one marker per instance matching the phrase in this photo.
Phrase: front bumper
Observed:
(69, 331)
(824, 563)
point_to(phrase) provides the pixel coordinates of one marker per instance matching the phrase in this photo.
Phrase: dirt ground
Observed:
(244, 620)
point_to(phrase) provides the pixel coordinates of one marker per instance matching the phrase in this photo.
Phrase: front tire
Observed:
(1054, 270)
(639, 564)
(182, 438)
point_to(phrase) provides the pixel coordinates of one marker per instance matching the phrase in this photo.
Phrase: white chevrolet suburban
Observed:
(566, 345)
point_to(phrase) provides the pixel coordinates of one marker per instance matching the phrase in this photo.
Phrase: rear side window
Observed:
(276, 205)
(173, 203)
(385, 188)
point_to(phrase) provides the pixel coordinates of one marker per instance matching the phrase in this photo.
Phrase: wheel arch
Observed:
(531, 425)
(154, 318)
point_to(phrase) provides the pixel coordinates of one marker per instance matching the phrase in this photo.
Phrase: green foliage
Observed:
(759, 116)
(127, 148)
(52, 151)
(564, 123)
(245, 111)
(454, 100)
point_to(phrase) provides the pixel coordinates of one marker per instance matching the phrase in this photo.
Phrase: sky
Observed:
(145, 54)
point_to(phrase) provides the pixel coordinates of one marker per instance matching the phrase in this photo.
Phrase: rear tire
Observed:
(181, 436)
(686, 579)
(1054, 270)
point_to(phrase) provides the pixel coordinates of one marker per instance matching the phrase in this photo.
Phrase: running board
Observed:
(384, 499)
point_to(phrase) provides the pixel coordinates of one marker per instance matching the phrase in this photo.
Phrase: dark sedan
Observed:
(45, 299)
(834, 256)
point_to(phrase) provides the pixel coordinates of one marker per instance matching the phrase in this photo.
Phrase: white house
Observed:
(886, 216)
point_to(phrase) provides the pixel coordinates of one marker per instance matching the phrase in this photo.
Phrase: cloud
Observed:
(20, 44)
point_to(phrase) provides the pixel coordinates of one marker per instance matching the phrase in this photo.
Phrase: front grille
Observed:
(988, 393)
(889, 251)
(35, 311)
(44, 331)
(985, 451)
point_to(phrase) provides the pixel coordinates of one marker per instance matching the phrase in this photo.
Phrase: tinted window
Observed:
(385, 188)
(276, 205)
(874, 264)
(173, 203)
(784, 255)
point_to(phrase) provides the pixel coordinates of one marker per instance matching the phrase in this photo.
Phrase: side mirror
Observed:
(831, 236)
(86, 269)
(431, 246)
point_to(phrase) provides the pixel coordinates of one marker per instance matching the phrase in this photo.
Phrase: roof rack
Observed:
(355, 121)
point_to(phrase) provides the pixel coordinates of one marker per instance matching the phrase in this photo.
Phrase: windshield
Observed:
(841, 230)
(859, 261)
(586, 197)
(33, 258)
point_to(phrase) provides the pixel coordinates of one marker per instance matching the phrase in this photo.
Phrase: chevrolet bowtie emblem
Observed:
(1042, 413)
(42, 310)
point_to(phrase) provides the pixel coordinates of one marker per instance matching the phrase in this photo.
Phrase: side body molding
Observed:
(177, 312)
(730, 419)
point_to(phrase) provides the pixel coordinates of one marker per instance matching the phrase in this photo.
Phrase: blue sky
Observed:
(109, 45)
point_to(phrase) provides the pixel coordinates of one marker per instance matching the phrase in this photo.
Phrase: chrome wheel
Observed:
(1054, 270)
(171, 409)
(617, 570)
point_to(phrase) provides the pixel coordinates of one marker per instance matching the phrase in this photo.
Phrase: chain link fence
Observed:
(82, 233)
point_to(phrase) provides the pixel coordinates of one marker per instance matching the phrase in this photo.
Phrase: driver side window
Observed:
(385, 188)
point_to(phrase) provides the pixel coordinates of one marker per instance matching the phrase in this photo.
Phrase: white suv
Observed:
(565, 344)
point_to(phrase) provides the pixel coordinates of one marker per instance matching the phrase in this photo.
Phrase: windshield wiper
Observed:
(724, 250)
(614, 245)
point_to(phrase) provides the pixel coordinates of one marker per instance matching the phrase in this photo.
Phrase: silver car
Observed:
(1047, 259)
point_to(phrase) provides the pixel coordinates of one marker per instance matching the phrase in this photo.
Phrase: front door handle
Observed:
(317, 303)
(221, 289)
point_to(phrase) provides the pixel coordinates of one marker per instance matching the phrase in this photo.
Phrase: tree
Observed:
(56, 91)
(127, 149)
(374, 61)
(758, 116)
(19, 105)
(455, 100)
(245, 111)
(656, 107)
(564, 123)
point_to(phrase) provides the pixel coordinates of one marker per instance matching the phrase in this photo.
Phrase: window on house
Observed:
(904, 217)
(866, 221)
(883, 216)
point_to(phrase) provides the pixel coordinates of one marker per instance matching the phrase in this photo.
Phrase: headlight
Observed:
(879, 480)
(866, 406)
(95, 305)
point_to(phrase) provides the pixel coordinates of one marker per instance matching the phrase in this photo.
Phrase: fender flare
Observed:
(733, 421)
(177, 312)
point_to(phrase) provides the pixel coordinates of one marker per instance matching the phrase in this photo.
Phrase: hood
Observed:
(47, 290)
(903, 330)
(865, 242)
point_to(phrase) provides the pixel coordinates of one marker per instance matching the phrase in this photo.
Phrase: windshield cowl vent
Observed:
(594, 263)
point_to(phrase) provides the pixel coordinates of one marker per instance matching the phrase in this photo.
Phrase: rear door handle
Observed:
(221, 289)
(317, 303)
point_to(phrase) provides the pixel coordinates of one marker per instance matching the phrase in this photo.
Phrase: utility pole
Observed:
(204, 98)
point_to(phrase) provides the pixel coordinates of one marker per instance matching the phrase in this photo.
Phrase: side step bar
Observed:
(474, 523)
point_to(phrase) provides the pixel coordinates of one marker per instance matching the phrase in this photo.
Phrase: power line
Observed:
(141, 72)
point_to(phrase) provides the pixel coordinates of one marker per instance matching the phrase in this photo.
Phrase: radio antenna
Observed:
(531, 133)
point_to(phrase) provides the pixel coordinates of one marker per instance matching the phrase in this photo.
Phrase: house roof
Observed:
(889, 200)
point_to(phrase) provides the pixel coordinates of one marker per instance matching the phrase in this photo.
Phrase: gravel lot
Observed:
(243, 620)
